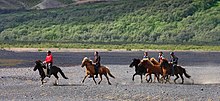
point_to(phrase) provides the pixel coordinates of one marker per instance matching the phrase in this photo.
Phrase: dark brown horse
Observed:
(90, 70)
(139, 70)
(178, 70)
(54, 70)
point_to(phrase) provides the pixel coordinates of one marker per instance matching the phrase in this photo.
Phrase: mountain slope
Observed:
(48, 4)
(148, 21)
(40, 4)
(18, 4)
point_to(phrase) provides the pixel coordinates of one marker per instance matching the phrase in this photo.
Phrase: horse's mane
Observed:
(148, 61)
(153, 60)
(38, 62)
(165, 60)
(136, 59)
(87, 59)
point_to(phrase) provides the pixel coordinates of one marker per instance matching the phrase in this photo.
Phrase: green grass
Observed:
(110, 47)
(148, 21)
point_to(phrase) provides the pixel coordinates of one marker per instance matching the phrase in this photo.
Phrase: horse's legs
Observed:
(56, 81)
(100, 78)
(84, 78)
(147, 79)
(177, 76)
(42, 81)
(133, 76)
(141, 78)
(168, 78)
(158, 77)
(182, 78)
(150, 78)
(94, 79)
(155, 77)
(107, 78)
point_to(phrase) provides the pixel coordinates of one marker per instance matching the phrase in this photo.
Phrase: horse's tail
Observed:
(187, 75)
(63, 75)
(110, 74)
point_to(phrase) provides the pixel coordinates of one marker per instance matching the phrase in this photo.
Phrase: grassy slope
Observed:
(161, 21)
(16, 4)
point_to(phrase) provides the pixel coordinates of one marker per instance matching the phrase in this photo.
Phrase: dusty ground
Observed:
(24, 84)
(20, 82)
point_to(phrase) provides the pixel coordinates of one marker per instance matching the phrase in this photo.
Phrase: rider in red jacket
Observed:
(49, 58)
(49, 62)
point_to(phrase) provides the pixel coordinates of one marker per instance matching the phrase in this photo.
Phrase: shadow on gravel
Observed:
(70, 85)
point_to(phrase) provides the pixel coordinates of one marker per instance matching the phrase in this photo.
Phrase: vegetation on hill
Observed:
(123, 21)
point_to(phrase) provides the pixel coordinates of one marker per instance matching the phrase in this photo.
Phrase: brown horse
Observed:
(151, 69)
(178, 70)
(167, 77)
(90, 70)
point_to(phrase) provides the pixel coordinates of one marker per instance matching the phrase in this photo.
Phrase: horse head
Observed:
(164, 63)
(134, 62)
(39, 64)
(85, 61)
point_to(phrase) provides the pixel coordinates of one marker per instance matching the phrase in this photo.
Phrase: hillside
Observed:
(40, 4)
(145, 21)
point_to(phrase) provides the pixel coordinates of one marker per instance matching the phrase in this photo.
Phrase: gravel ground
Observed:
(20, 82)
(24, 84)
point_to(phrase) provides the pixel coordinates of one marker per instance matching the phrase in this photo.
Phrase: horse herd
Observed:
(145, 67)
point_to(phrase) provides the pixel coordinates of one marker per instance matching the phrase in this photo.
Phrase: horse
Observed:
(90, 70)
(154, 61)
(178, 70)
(139, 70)
(151, 69)
(54, 70)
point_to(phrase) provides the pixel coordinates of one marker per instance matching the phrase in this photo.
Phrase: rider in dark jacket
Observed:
(146, 56)
(173, 61)
(97, 63)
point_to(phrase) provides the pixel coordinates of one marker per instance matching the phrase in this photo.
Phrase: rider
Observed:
(160, 57)
(146, 56)
(173, 61)
(49, 62)
(97, 63)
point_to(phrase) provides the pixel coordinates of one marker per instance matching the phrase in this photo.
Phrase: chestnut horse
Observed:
(140, 70)
(151, 69)
(178, 70)
(54, 70)
(90, 70)
(164, 71)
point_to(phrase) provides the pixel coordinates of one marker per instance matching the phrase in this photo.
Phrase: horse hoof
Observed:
(109, 83)
(99, 82)
(55, 84)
